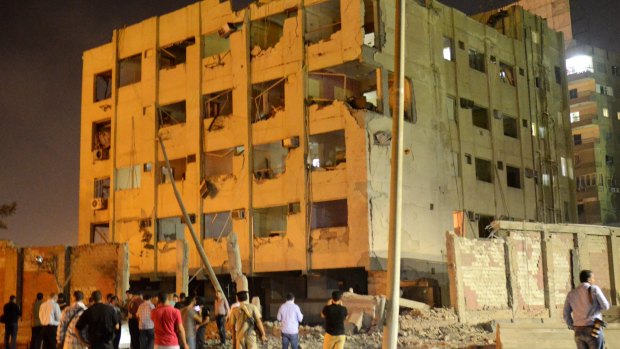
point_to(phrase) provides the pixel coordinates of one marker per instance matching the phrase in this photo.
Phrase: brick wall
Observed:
(529, 269)
(102, 267)
(8, 268)
(44, 271)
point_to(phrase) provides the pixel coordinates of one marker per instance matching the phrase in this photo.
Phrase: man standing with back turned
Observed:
(582, 311)
(290, 316)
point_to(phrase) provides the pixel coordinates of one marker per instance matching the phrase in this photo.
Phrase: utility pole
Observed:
(201, 251)
(390, 331)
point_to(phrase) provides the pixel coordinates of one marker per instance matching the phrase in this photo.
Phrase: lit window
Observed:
(447, 49)
(574, 116)
(606, 112)
(618, 115)
(563, 165)
(579, 64)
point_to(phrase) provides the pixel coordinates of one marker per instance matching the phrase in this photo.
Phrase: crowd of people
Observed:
(162, 321)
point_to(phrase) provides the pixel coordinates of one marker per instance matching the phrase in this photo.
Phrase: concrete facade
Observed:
(278, 129)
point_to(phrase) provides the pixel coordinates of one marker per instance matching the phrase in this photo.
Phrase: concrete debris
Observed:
(436, 328)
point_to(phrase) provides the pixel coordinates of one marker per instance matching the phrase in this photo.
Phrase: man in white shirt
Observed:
(50, 314)
(290, 316)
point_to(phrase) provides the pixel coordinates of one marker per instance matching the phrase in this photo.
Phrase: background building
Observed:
(277, 123)
(593, 75)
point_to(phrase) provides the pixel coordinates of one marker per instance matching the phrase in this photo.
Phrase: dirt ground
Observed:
(435, 328)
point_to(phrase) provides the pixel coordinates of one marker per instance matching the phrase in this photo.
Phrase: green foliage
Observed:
(5, 211)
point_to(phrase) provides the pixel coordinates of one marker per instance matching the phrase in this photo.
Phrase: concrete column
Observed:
(182, 267)
(548, 272)
(614, 266)
(457, 293)
(511, 273)
(580, 256)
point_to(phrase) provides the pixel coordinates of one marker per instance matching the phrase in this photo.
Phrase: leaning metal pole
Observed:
(390, 332)
(201, 251)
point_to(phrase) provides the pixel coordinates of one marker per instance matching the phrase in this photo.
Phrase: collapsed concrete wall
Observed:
(527, 271)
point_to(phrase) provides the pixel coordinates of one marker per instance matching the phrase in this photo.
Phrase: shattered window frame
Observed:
(130, 70)
(178, 167)
(477, 60)
(264, 104)
(102, 86)
(274, 224)
(175, 54)
(166, 235)
(215, 105)
(101, 139)
(332, 154)
(172, 114)
(480, 117)
(213, 226)
(267, 32)
(268, 171)
(322, 26)
(99, 233)
(214, 44)
(507, 74)
(223, 158)
(513, 177)
(372, 24)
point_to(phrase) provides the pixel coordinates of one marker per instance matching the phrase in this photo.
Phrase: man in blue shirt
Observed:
(582, 307)
(290, 316)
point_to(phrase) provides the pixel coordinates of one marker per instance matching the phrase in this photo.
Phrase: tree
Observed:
(5, 211)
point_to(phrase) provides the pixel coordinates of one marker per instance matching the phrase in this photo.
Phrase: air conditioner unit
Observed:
(238, 213)
(498, 114)
(207, 188)
(99, 204)
(290, 143)
(101, 154)
(294, 208)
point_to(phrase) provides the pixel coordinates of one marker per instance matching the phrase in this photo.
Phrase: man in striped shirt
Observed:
(66, 337)
(145, 323)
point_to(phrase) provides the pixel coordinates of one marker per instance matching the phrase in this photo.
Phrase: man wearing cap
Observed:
(245, 320)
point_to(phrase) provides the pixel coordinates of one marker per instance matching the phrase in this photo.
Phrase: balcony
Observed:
(583, 97)
(585, 120)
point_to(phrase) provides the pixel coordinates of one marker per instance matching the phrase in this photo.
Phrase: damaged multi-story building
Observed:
(593, 74)
(276, 120)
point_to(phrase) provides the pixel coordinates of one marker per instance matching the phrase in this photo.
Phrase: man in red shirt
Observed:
(168, 325)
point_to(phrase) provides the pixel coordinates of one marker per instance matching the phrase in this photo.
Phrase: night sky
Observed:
(41, 45)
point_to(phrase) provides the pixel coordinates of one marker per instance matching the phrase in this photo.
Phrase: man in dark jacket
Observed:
(36, 340)
(100, 323)
(12, 313)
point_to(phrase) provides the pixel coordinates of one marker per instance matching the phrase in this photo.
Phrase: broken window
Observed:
(480, 117)
(269, 160)
(100, 233)
(329, 214)
(448, 49)
(327, 150)
(101, 140)
(215, 105)
(483, 170)
(507, 73)
(127, 177)
(267, 99)
(175, 54)
(511, 127)
(103, 86)
(172, 114)
(476, 60)
(217, 225)
(177, 170)
(359, 90)
(372, 34)
(270, 221)
(410, 111)
(219, 162)
(558, 74)
(322, 20)
(102, 188)
(214, 44)
(484, 226)
(513, 177)
(129, 70)
(577, 139)
(170, 229)
(266, 32)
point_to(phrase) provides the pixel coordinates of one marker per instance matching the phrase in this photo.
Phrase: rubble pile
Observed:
(434, 328)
